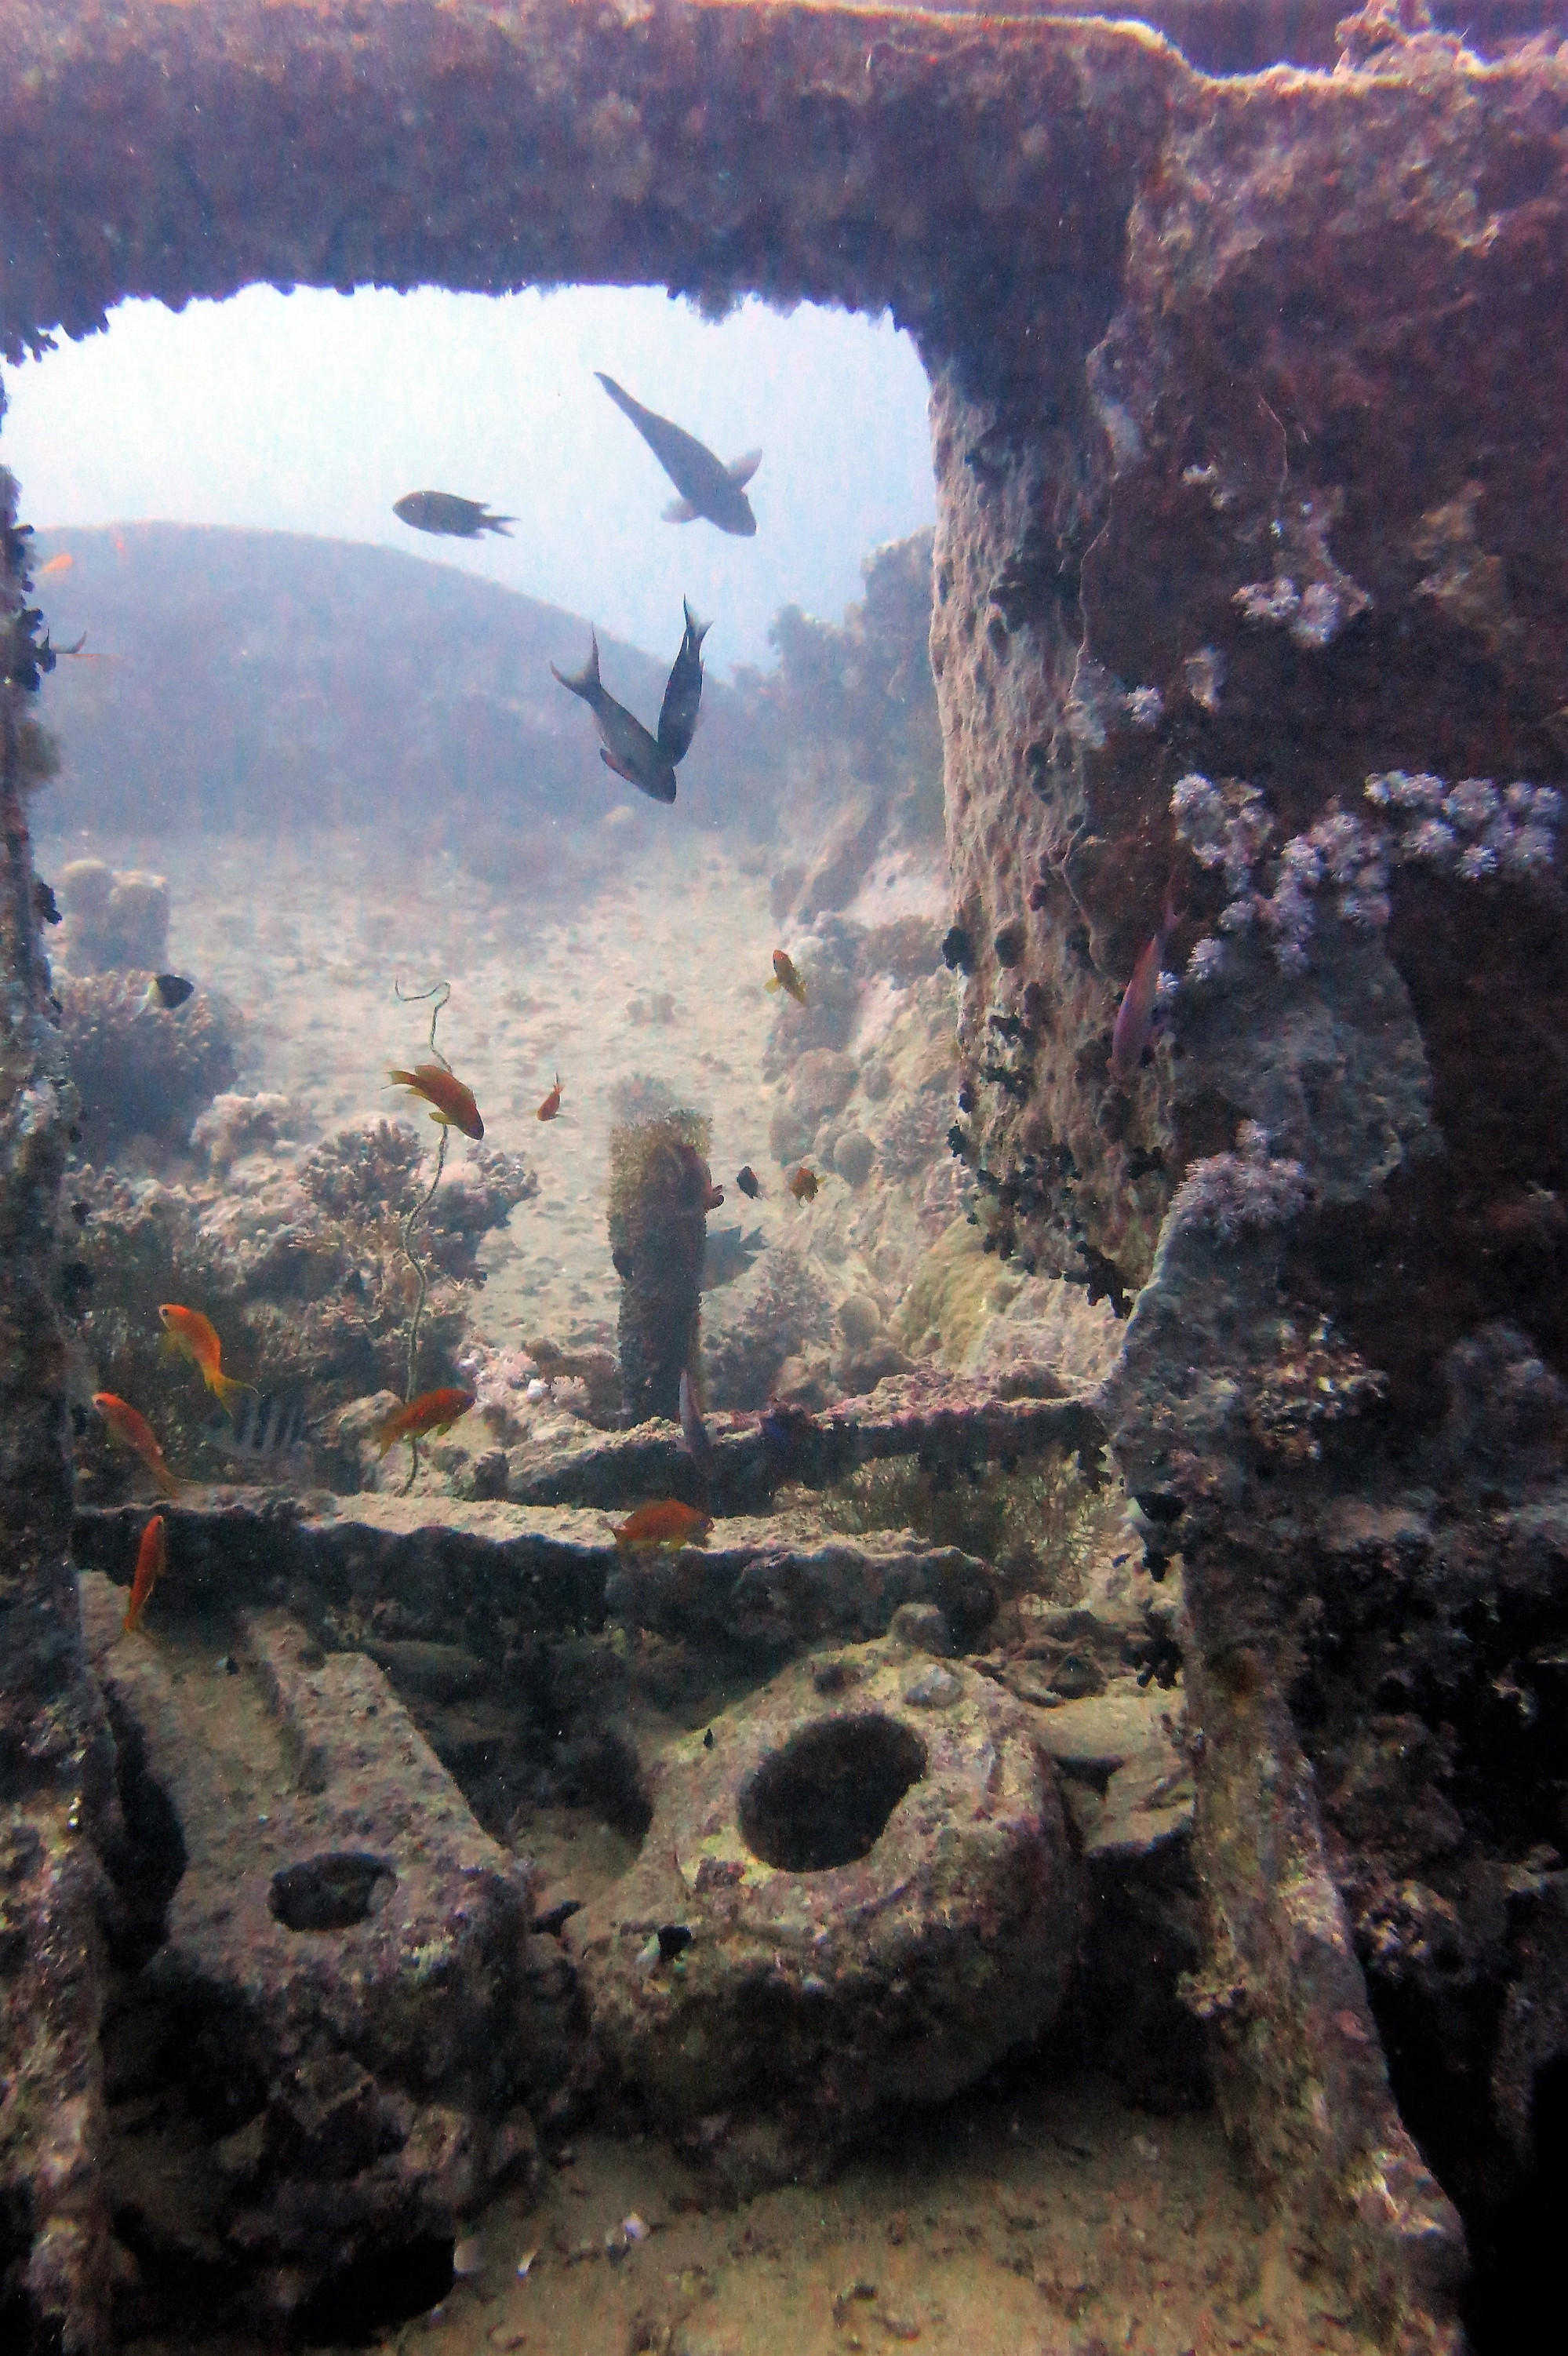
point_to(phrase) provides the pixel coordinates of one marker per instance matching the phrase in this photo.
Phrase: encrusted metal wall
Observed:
(1069, 219)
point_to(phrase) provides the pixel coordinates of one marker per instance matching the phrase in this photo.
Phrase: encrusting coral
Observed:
(661, 1190)
(140, 1070)
(300, 1265)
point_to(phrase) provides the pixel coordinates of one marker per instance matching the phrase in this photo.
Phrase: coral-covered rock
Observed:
(113, 923)
(142, 1071)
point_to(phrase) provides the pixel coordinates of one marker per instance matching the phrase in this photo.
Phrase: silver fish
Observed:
(627, 748)
(706, 487)
(444, 513)
(693, 1430)
(683, 696)
(267, 1431)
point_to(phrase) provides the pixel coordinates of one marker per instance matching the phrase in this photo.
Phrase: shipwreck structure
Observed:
(1248, 344)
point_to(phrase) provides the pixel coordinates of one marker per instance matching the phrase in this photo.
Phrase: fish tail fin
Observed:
(228, 1387)
(698, 630)
(680, 511)
(396, 1079)
(499, 524)
(584, 682)
(622, 399)
(741, 471)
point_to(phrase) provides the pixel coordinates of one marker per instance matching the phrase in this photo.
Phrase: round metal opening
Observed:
(825, 1799)
(330, 1892)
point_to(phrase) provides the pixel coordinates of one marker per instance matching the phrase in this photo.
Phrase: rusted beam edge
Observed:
(545, 1572)
(1302, 2080)
(817, 1452)
(959, 172)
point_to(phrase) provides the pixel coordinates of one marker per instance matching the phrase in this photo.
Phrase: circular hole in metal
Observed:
(825, 1799)
(330, 1892)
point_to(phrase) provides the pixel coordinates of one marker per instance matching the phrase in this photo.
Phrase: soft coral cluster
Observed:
(1471, 830)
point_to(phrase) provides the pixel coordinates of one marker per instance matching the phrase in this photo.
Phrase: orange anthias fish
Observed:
(451, 1105)
(189, 1331)
(804, 1185)
(667, 1522)
(551, 1105)
(786, 979)
(1135, 1016)
(432, 1411)
(60, 563)
(152, 1558)
(133, 1430)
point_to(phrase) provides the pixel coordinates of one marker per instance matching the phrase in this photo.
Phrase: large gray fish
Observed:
(682, 696)
(706, 487)
(444, 512)
(627, 748)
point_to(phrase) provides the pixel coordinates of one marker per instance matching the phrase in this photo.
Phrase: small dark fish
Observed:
(693, 1430)
(554, 1920)
(706, 487)
(727, 1253)
(674, 1940)
(786, 978)
(167, 991)
(683, 696)
(708, 1739)
(444, 513)
(266, 1430)
(804, 1184)
(45, 903)
(749, 1182)
(1135, 1016)
(627, 748)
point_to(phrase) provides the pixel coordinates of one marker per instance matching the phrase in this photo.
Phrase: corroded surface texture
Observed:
(54, 1751)
(1332, 357)
(863, 156)
(823, 1989)
(340, 1990)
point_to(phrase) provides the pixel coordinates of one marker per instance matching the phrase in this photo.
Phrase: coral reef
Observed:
(299, 1262)
(660, 1186)
(142, 1071)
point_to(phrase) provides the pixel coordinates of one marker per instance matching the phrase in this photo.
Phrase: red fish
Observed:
(152, 1558)
(551, 1105)
(452, 1105)
(189, 1331)
(432, 1411)
(804, 1185)
(133, 1430)
(60, 563)
(667, 1522)
(1135, 1016)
